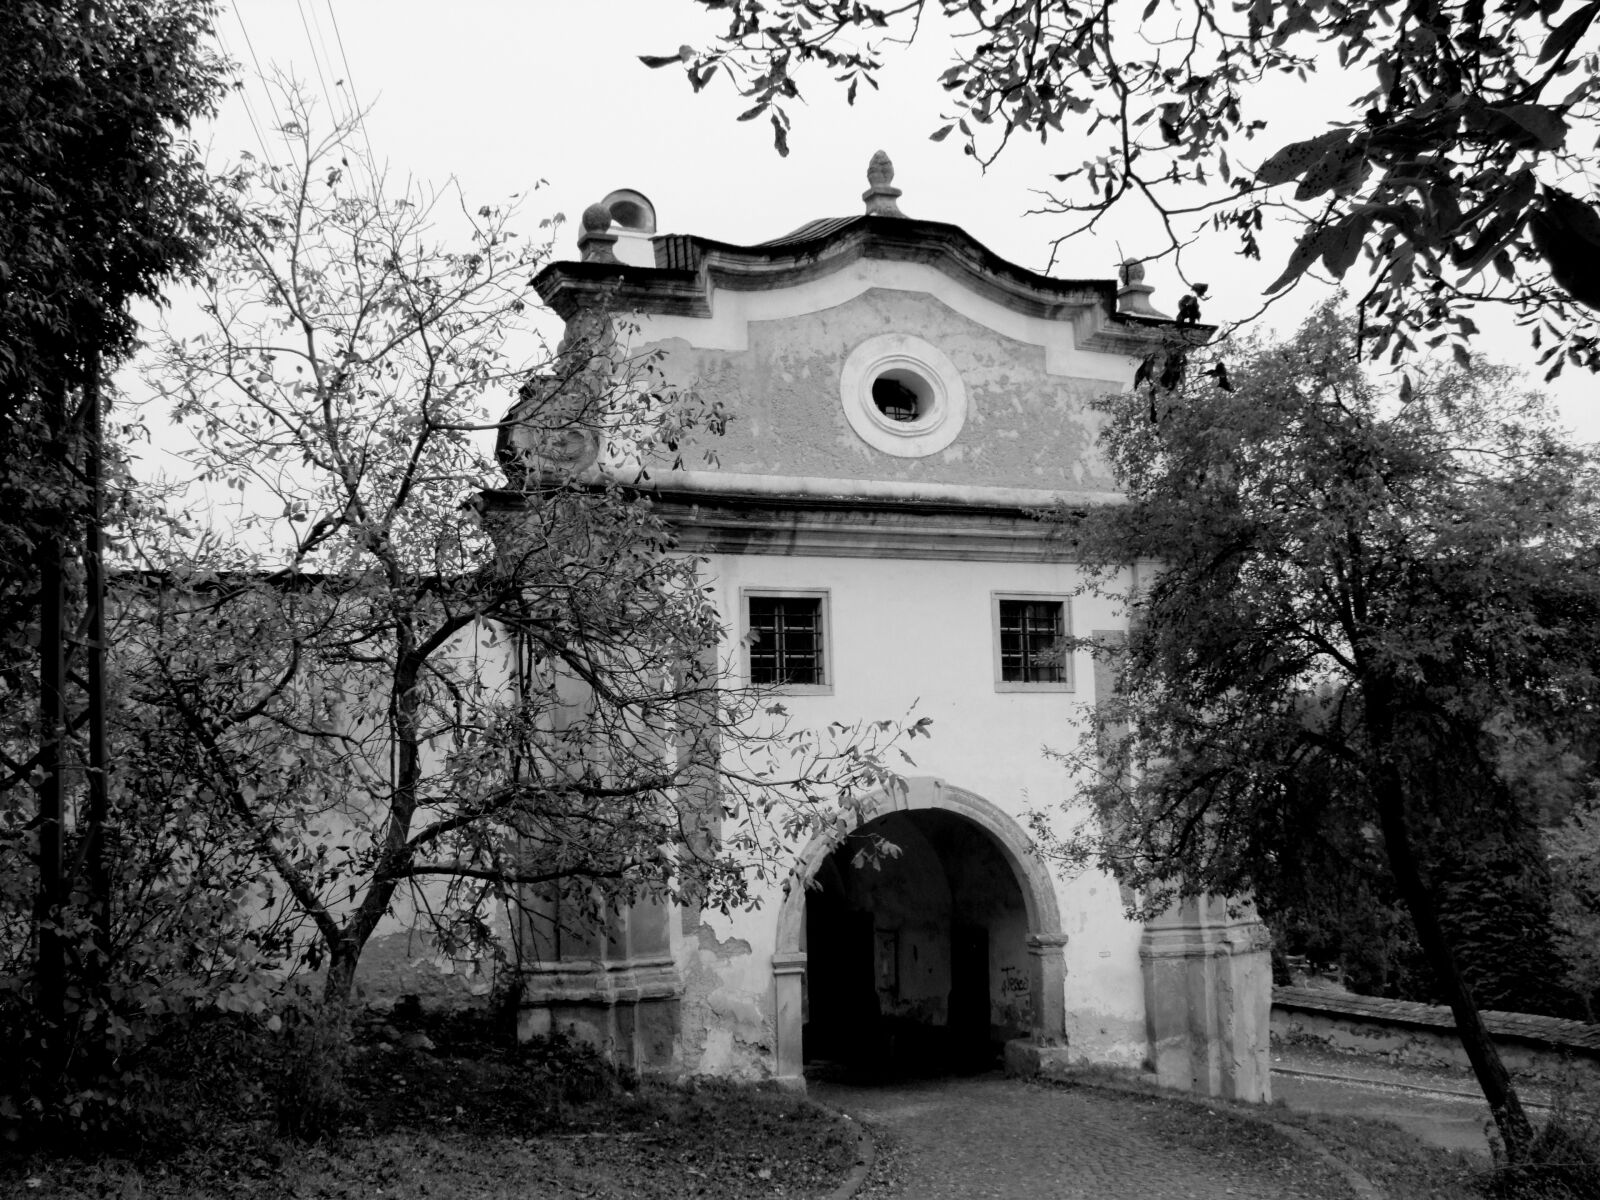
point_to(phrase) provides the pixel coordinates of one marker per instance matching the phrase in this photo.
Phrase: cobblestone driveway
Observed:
(961, 1139)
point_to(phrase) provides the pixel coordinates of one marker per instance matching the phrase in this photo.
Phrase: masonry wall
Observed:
(1424, 1035)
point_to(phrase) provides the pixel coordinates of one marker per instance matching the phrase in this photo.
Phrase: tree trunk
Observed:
(97, 850)
(51, 896)
(52, 892)
(1491, 1073)
(341, 977)
(345, 954)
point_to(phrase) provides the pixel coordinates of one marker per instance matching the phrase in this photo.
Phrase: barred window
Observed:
(786, 640)
(1029, 650)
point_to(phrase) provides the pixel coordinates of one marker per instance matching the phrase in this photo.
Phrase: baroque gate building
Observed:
(902, 401)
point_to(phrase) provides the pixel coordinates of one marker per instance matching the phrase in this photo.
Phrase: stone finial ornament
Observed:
(881, 197)
(1133, 297)
(595, 240)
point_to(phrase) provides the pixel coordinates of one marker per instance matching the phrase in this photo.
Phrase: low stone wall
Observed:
(406, 962)
(1402, 1031)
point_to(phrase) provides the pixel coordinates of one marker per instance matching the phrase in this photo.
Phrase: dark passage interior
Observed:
(917, 963)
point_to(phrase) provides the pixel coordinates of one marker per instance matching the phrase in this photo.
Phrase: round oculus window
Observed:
(902, 395)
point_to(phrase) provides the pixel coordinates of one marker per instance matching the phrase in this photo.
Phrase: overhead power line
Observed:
(361, 116)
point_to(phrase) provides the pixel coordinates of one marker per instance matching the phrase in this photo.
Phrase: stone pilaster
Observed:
(1208, 1000)
(1047, 968)
(788, 978)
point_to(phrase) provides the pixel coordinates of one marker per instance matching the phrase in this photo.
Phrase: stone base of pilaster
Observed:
(628, 1010)
(1208, 1000)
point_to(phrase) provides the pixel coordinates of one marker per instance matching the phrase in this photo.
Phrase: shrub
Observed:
(308, 1083)
(148, 1084)
(1563, 1161)
(563, 1072)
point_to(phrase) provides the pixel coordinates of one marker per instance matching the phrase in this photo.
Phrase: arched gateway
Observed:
(957, 957)
(901, 405)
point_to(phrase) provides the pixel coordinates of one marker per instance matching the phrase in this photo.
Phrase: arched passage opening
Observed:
(933, 957)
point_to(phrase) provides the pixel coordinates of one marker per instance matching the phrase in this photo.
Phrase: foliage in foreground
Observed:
(1363, 607)
(1561, 1163)
(1457, 157)
(104, 202)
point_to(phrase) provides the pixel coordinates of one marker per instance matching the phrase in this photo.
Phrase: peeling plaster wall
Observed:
(405, 962)
(727, 1005)
(400, 958)
(1026, 427)
(1428, 1046)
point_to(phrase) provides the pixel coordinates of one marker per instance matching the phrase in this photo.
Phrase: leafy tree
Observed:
(1328, 893)
(102, 203)
(1459, 165)
(421, 682)
(1575, 867)
(1395, 604)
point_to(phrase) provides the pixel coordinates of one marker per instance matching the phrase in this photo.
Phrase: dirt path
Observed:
(987, 1136)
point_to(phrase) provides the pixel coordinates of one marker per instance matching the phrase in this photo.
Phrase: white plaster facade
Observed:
(910, 540)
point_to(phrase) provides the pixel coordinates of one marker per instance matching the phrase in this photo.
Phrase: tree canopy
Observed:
(103, 204)
(414, 670)
(1458, 167)
(1348, 605)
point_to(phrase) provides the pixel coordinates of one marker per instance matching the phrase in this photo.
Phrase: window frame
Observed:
(824, 633)
(1001, 684)
(942, 406)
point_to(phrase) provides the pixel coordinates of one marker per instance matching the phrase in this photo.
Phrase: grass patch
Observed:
(1399, 1165)
(1245, 1135)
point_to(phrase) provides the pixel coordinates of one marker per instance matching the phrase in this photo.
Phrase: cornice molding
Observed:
(690, 269)
(729, 513)
(798, 528)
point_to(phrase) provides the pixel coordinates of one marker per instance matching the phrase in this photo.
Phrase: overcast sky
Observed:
(500, 94)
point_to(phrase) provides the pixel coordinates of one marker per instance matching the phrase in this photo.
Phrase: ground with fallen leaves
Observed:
(474, 1120)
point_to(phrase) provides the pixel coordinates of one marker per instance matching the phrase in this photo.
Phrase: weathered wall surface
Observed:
(1026, 426)
(984, 891)
(1105, 1024)
(909, 898)
(401, 958)
(727, 1019)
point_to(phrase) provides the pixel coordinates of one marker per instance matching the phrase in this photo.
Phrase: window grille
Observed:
(786, 640)
(1030, 641)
